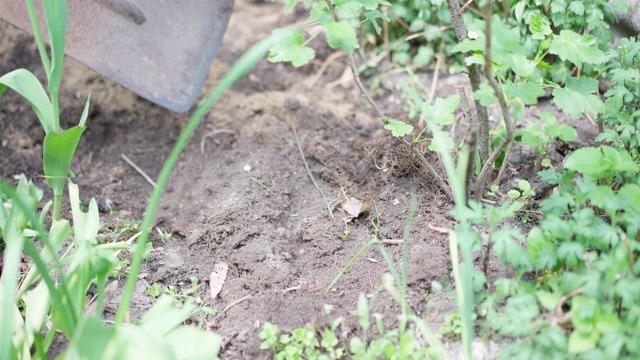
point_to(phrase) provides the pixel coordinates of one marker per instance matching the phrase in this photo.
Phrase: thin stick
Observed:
(234, 304)
(392, 241)
(261, 184)
(309, 172)
(211, 134)
(465, 6)
(312, 81)
(136, 168)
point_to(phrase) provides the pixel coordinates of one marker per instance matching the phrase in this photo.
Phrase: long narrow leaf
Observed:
(26, 84)
(55, 14)
(37, 34)
(58, 152)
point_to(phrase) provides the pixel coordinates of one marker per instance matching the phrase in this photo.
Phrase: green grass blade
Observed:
(85, 113)
(242, 67)
(37, 34)
(26, 84)
(351, 262)
(55, 14)
(14, 242)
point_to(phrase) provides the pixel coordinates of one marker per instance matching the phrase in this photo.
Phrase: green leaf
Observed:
(441, 112)
(347, 9)
(631, 194)
(562, 132)
(533, 136)
(373, 15)
(548, 300)
(291, 48)
(485, 95)
(397, 127)
(26, 84)
(577, 7)
(577, 97)
(528, 92)
(514, 194)
(588, 161)
(85, 225)
(620, 160)
(342, 35)
(373, 4)
(578, 49)
(582, 342)
(521, 65)
(442, 141)
(58, 151)
(55, 14)
(539, 27)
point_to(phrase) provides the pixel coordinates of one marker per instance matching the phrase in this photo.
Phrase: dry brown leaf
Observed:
(218, 276)
(352, 207)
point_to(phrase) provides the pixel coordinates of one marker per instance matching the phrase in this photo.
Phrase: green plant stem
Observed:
(242, 67)
(351, 262)
(10, 275)
(37, 34)
(57, 206)
(56, 112)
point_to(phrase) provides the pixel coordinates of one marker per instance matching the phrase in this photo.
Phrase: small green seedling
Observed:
(523, 193)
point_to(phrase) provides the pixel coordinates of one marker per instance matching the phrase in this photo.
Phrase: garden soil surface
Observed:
(242, 194)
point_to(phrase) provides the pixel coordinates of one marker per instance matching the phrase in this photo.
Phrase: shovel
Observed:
(159, 49)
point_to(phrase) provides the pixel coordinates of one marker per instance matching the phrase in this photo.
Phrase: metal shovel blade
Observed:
(159, 49)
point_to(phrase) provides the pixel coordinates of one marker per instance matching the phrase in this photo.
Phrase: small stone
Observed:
(243, 335)
(291, 104)
(246, 168)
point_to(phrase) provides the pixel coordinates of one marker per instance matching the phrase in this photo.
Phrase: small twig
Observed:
(313, 80)
(465, 6)
(211, 134)
(293, 288)
(234, 304)
(504, 164)
(392, 241)
(136, 168)
(295, 133)
(261, 184)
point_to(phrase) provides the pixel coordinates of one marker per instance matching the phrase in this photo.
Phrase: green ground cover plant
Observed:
(576, 269)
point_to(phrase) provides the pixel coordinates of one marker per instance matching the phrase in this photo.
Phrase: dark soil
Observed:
(241, 193)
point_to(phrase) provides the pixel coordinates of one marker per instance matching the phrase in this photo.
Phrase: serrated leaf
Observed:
(373, 4)
(588, 161)
(578, 49)
(346, 9)
(521, 65)
(441, 112)
(577, 7)
(532, 135)
(398, 128)
(577, 97)
(581, 342)
(548, 300)
(548, 118)
(485, 95)
(342, 35)
(291, 48)
(539, 27)
(528, 92)
(563, 132)
(469, 45)
(373, 15)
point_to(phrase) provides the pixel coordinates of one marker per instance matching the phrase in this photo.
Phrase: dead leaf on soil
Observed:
(218, 276)
(354, 207)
